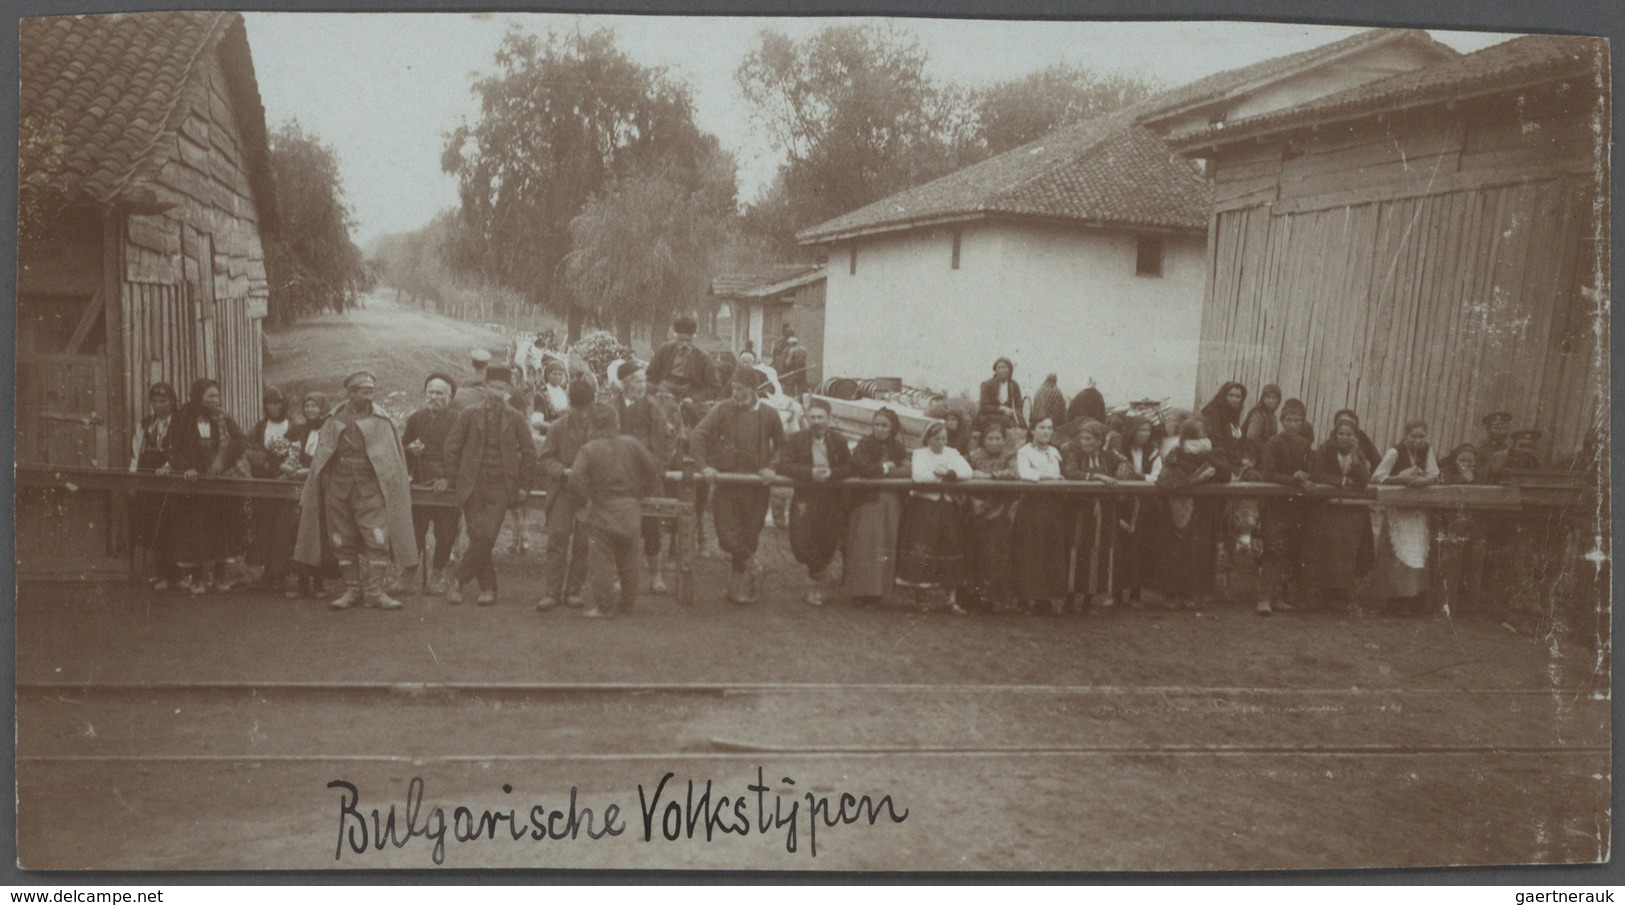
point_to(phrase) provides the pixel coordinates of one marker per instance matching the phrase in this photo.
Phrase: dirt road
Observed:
(402, 345)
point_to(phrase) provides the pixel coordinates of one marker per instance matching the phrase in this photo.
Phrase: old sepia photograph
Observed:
(533, 440)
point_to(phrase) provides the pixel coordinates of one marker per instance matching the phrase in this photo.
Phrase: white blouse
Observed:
(926, 463)
(1033, 464)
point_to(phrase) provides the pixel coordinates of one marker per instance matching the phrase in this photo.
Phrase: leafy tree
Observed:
(643, 248)
(310, 260)
(1012, 113)
(40, 155)
(560, 120)
(855, 115)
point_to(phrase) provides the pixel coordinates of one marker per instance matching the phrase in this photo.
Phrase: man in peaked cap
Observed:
(682, 370)
(359, 486)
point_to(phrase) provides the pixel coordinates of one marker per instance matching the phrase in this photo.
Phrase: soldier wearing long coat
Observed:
(358, 501)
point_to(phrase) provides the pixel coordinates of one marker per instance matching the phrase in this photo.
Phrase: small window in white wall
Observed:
(1148, 257)
(852, 260)
(956, 249)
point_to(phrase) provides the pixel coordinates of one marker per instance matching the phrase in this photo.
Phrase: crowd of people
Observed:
(599, 447)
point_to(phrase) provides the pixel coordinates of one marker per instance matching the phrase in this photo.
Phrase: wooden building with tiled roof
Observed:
(146, 185)
(1083, 253)
(1427, 245)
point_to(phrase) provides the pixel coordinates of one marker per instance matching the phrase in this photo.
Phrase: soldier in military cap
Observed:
(360, 494)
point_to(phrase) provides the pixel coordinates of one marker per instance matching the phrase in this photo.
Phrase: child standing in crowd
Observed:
(1221, 419)
(1261, 424)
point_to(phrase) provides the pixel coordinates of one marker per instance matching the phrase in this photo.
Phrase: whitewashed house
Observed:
(1083, 253)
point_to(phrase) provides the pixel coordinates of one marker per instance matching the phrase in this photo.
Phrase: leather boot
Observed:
(738, 583)
(376, 578)
(350, 572)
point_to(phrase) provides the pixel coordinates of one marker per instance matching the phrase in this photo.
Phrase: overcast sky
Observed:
(385, 88)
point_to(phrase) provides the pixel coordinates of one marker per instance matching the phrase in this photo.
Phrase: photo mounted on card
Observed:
(856, 444)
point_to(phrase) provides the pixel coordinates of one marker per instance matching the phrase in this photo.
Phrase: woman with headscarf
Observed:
(1138, 523)
(1043, 525)
(991, 519)
(1087, 458)
(1221, 419)
(209, 528)
(553, 399)
(1185, 566)
(1333, 534)
(1049, 402)
(274, 524)
(1260, 424)
(153, 514)
(1001, 395)
(1368, 450)
(1401, 532)
(959, 433)
(869, 551)
(1088, 405)
(931, 543)
(1459, 577)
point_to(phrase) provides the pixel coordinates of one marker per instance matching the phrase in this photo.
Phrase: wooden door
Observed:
(63, 396)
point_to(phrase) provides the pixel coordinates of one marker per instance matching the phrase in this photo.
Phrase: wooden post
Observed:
(685, 551)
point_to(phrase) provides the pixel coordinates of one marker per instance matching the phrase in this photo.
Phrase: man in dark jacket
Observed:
(609, 476)
(644, 422)
(425, 439)
(564, 564)
(490, 455)
(740, 436)
(818, 455)
(683, 370)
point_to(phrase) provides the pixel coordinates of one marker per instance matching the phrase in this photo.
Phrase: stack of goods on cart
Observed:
(853, 403)
(595, 352)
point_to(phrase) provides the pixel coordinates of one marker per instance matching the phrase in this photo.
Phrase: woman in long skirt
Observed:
(314, 406)
(1089, 459)
(992, 518)
(869, 552)
(1332, 534)
(1185, 567)
(209, 528)
(1138, 521)
(931, 545)
(1401, 533)
(275, 523)
(153, 514)
(1043, 525)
